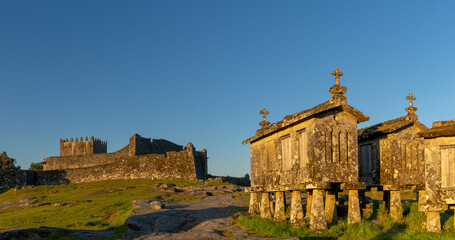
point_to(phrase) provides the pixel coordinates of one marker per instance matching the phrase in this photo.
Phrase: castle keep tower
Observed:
(81, 147)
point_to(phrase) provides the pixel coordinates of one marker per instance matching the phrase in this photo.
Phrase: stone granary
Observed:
(87, 160)
(391, 157)
(313, 150)
(439, 171)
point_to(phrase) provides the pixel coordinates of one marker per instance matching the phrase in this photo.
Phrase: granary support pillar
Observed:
(265, 206)
(454, 219)
(280, 207)
(254, 204)
(296, 209)
(308, 203)
(317, 217)
(421, 199)
(433, 222)
(396, 210)
(354, 207)
(330, 206)
(386, 199)
(272, 203)
(362, 198)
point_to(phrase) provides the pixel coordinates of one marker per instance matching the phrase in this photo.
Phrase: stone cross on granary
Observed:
(337, 90)
(337, 74)
(264, 123)
(410, 98)
(411, 109)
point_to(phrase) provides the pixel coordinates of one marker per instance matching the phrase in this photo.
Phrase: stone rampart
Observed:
(141, 158)
(20, 178)
(83, 161)
(176, 165)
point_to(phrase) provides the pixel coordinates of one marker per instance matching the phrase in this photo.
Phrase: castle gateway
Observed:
(87, 160)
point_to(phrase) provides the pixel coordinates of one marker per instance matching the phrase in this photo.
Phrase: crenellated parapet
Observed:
(82, 147)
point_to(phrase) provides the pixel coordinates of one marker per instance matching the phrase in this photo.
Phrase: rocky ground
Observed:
(203, 212)
(210, 218)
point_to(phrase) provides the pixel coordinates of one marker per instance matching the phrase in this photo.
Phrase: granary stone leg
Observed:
(454, 219)
(354, 207)
(272, 208)
(309, 199)
(317, 218)
(296, 208)
(421, 198)
(386, 200)
(433, 222)
(396, 210)
(362, 198)
(254, 204)
(280, 207)
(265, 206)
(330, 207)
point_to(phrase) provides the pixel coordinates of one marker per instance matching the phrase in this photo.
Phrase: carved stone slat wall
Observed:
(448, 166)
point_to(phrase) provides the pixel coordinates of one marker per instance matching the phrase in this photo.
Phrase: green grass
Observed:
(410, 228)
(91, 206)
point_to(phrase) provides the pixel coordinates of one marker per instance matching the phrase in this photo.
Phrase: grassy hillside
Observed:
(106, 205)
(90, 206)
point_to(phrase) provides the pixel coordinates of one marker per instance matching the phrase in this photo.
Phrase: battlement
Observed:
(82, 147)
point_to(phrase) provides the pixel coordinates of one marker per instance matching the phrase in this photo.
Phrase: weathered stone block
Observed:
(157, 205)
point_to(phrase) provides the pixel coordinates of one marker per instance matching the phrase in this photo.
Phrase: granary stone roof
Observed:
(440, 129)
(333, 103)
(393, 125)
(390, 126)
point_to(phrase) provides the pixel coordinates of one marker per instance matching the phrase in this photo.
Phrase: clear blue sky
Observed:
(200, 71)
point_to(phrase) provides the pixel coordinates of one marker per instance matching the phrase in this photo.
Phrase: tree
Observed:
(7, 163)
(36, 167)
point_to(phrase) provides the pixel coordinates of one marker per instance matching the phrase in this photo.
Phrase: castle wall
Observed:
(81, 161)
(162, 146)
(176, 165)
(19, 178)
(200, 162)
(139, 145)
(141, 158)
